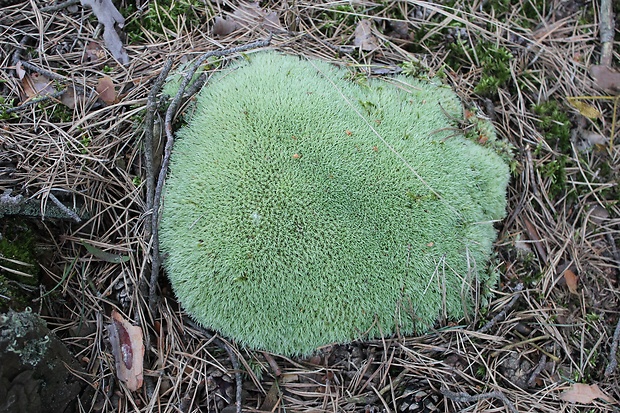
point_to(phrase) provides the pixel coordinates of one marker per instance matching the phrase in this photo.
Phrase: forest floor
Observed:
(531, 67)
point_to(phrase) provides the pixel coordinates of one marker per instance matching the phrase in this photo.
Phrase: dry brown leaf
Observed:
(594, 138)
(36, 85)
(68, 98)
(606, 78)
(109, 17)
(19, 70)
(584, 393)
(224, 26)
(105, 90)
(364, 37)
(251, 14)
(128, 351)
(572, 280)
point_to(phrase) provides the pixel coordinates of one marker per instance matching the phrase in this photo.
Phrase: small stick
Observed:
(463, 397)
(606, 32)
(36, 100)
(156, 260)
(502, 314)
(541, 365)
(151, 106)
(64, 208)
(60, 6)
(613, 358)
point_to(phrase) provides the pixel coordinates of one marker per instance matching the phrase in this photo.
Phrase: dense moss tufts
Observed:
(303, 208)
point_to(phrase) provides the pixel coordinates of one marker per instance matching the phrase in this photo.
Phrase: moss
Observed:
(304, 208)
(554, 125)
(17, 243)
(163, 17)
(18, 257)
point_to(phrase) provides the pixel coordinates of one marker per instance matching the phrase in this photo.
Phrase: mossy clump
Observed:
(19, 269)
(303, 208)
(37, 372)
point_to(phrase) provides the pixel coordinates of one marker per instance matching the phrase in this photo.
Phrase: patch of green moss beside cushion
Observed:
(303, 209)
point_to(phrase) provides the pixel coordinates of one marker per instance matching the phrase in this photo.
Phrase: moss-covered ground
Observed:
(514, 62)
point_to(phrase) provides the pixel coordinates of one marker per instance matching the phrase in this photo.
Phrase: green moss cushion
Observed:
(304, 208)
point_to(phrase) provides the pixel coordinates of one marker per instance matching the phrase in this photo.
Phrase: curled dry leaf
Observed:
(247, 15)
(105, 90)
(364, 37)
(19, 70)
(606, 78)
(584, 393)
(128, 351)
(109, 17)
(224, 26)
(572, 280)
(36, 85)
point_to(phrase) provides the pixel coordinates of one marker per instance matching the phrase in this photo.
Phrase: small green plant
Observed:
(163, 16)
(303, 209)
(555, 126)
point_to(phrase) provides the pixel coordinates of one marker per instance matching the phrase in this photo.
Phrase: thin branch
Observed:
(606, 32)
(64, 208)
(613, 357)
(19, 205)
(463, 397)
(541, 366)
(151, 107)
(36, 100)
(60, 6)
(170, 113)
(502, 314)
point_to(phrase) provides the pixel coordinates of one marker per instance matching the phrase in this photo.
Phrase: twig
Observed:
(60, 6)
(151, 106)
(606, 32)
(36, 100)
(463, 397)
(19, 205)
(44, 72)
(64, 208)
(613, 357)
(233, 360)
(172, 109)
(541, 365)
(502, 314)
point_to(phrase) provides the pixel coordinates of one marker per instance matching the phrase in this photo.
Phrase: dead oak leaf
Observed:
(584, 394)
(364, 38)
(224, 26)
(36, 85)
(93, 53)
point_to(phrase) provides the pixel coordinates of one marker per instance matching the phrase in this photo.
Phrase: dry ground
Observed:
(563, 209)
